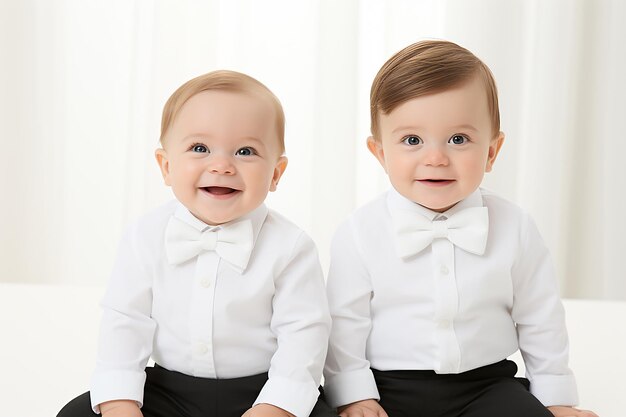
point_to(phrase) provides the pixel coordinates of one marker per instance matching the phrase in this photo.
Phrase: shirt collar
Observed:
(256, 216)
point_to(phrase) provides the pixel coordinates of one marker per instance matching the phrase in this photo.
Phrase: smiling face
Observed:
(437, 147)
(221, 155)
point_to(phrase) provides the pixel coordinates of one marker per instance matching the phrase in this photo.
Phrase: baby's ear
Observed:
(279, 169)
(164, 164)
(494, 149)
(376, 148)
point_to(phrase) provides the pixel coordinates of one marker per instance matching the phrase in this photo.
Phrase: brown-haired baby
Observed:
(436, 283)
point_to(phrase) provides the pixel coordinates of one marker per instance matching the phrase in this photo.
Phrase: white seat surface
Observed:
(49, 338)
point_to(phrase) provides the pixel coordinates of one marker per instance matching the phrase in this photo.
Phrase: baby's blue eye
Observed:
(247, 151)
(458, 140)
(199, 148)
(412, 140)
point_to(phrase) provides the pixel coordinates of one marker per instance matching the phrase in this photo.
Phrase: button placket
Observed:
(446, 305)
(202, 314)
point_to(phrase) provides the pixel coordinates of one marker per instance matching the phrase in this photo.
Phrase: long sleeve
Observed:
(539, 315)
(348, 377)
(301, 324)
(126, 331)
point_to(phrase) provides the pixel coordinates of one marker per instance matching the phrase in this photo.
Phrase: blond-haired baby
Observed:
(226, 295)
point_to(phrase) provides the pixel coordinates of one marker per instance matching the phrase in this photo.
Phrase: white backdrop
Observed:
(83, 83)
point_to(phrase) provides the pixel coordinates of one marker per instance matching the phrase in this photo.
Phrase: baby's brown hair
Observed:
(428, 67)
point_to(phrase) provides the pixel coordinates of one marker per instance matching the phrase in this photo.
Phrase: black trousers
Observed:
(172, 394)
(490, 391)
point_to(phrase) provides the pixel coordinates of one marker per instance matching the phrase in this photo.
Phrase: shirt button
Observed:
(443, 324)
(205, 283)
(444, 270)
(201, 349)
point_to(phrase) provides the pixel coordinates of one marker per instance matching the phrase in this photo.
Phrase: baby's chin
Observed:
(439, 207)
(213, 219)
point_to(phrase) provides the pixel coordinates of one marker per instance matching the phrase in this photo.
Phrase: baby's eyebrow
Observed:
(465, 127)
(405, 128)
(195, 136)
(251, 141)
(250, 138)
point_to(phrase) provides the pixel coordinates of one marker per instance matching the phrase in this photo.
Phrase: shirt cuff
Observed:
(348, 387)
(116, 385)
(298, 398)
(555, 389)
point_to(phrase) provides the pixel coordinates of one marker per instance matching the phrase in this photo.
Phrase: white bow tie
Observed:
(466, 229)
(232, 242)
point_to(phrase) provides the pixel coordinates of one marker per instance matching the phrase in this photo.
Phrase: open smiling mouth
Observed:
(436, 181)
(219, 191)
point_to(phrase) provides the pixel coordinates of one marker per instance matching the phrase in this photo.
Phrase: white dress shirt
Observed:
(443, 309)
(205, 318)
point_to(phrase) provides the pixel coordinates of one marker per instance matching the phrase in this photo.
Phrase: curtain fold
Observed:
(83, 84)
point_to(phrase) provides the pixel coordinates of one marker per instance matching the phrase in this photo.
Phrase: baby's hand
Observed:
(120, 408)
(365, 408)
(266, 410)
(560, 411)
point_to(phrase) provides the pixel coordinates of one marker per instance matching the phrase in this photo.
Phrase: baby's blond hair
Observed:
(222, 80)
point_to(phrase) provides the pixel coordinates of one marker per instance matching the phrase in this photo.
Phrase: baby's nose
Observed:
(219, 164)
(435, 156)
